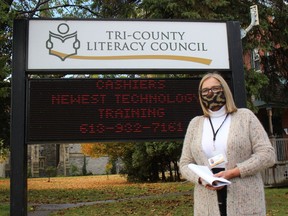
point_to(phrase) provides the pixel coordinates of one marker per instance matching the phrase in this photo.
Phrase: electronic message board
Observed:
(110, 109)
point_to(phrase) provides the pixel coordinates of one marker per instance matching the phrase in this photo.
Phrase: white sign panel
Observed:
(99, 44)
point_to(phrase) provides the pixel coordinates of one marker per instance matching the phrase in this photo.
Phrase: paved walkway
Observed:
(46, 209)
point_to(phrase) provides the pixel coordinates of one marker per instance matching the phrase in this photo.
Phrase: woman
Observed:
(234, 145)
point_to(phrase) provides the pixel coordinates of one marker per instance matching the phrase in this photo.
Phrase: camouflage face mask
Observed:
(214, 100)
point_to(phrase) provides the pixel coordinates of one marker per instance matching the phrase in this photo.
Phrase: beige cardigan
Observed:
(248, 148)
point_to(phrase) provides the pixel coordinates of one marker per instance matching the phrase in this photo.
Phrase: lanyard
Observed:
(215, 133)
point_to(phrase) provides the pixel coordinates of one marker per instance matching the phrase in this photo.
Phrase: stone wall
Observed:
(95, 166)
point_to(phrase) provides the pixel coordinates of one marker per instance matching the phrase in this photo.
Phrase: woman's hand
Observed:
(210, 187)
(229, 174)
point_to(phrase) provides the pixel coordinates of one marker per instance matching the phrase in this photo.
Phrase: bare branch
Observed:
(31, 13)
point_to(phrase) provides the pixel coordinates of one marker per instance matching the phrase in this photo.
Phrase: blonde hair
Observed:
(230, 104)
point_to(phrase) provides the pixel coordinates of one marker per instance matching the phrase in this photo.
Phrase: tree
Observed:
(121, 9)
(194, 10)
(76, 8)
(10, 9)
(142, 161)
(164, 154)
(274, 45)
(146, 160)
(255, 81)
(5, 69)
(270, 37)
(4, 152)
(112, 150)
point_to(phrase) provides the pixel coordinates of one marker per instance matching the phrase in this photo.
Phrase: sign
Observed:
(67, 110)
(101, 44)
(110, 109)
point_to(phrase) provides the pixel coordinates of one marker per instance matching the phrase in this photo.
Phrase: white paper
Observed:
(205, 173)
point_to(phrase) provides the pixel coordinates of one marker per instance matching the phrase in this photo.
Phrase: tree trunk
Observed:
(170, 172)
(176, 168)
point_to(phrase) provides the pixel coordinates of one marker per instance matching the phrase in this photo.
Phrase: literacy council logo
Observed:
(63, 44)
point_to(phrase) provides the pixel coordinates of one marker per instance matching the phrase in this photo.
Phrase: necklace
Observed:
(215, 133)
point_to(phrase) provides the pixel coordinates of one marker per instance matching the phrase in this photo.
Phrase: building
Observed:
(274, 118)
(62, 160)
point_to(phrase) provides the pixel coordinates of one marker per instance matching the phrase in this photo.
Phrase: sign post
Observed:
(18, 147)
(81, 110)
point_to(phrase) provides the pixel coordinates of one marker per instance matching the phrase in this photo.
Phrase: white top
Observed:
(219, 146)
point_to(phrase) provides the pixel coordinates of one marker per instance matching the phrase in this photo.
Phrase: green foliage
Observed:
(4, 152)
(50, 171)
(254, 82)
(169, 204)
(5, 70)
(145, 161)
(270, 37)
(76, 8)
(74, 171)
(276, 70)
(84, 167)
(191, 9)
(161, 205)
(108, 168)
(115, 8)
(4, 209)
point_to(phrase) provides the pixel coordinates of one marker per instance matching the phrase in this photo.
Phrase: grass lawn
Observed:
(167, 199)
